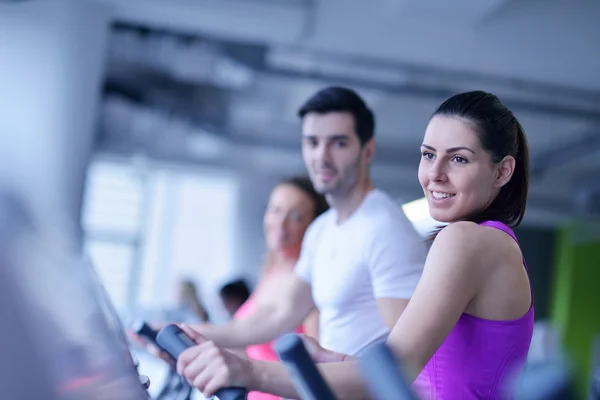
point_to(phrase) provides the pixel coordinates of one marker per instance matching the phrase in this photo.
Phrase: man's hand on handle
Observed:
(318, 353)
(209, 368)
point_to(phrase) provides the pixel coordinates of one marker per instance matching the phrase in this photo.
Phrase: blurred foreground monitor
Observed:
(61, 338)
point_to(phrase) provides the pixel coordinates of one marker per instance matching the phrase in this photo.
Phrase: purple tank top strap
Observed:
(502, 226)
(506, 229)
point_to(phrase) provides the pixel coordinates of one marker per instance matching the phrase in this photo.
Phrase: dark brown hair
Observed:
(342, 99)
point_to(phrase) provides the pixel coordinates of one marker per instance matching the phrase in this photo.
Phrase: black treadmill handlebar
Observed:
(383, 375)
(174, 341)
(308, 381)
(141, 328)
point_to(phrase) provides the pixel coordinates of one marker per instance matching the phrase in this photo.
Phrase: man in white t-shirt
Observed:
(361, 271)
(360, 261)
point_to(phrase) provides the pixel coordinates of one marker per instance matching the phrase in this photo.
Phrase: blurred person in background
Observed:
(189, 308)
(292, 207)
(233, 295)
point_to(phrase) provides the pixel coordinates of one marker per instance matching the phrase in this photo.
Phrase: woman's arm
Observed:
(460, 259)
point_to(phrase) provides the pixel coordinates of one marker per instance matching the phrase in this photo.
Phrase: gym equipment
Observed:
(62, 340)
(377, 365)
(382, 373)
(550, 380)
(141, 328)
(175, 386)
(385, 380)
(174, 341)
(306, 377)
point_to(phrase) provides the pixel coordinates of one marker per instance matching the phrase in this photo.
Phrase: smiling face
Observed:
(457, 175)
(332, 152)
(289, 213)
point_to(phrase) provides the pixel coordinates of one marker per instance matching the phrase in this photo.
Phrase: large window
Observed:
(145, 228)
(113, 215)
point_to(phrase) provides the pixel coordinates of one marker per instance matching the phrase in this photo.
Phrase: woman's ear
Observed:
(504, 171)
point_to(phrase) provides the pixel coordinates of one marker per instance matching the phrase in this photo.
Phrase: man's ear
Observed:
(369, 150)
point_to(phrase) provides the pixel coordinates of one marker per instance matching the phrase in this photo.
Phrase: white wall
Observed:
(52, 60)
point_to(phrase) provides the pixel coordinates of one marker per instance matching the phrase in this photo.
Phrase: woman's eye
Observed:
(427, 155)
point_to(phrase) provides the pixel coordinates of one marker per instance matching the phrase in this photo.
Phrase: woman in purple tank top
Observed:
(467, 329)
(472, 315)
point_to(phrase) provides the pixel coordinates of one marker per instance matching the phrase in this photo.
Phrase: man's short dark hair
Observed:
(340, 99)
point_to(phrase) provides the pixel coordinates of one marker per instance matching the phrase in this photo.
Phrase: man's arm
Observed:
(289, 302)
(311, 324)
(284, 310)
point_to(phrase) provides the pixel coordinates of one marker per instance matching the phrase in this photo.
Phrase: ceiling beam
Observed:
(440, 92)
(564, 154)
(469, 12)
(249, 21)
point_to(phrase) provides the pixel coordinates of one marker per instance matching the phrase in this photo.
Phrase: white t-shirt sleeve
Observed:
(396, 259)
(304, 264)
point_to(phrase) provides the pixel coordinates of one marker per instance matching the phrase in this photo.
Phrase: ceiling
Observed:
(193, 79)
